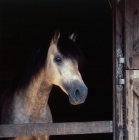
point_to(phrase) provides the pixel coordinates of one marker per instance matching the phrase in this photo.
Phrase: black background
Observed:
(26, 25)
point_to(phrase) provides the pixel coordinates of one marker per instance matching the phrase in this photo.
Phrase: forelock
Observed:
(69, 49)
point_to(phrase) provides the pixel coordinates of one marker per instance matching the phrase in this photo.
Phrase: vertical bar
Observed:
(114, 66)
(135, 64)
(128, 33)
(135, 22)
(129, 105)
(135, 121)
(117, 89)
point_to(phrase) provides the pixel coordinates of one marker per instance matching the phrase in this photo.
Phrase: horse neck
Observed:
(37, 94)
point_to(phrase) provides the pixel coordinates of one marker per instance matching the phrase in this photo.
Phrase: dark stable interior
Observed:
(26, 25)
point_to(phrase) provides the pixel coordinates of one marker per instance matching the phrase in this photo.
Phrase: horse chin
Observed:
(73, 102)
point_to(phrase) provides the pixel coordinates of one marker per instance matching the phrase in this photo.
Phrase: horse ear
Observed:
(73, 36)
(56, 36)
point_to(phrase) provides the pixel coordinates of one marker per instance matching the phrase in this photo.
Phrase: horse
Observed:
(27, 97)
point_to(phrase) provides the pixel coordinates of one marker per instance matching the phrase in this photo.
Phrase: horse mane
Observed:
(25, 75)
(30, 70)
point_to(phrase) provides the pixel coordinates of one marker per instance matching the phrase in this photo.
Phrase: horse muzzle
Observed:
(78, 96)
(77, 92)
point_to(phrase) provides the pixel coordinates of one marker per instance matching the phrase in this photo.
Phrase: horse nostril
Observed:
(77, 93)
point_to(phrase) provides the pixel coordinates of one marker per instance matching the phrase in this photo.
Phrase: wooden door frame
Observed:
(118, 89)
(125, 44)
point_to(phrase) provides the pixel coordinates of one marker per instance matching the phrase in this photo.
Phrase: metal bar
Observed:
(14, 130)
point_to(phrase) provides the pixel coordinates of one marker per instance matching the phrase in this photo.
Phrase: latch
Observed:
(119, 69)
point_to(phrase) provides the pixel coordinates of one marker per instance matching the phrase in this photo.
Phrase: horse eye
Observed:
(58, 59)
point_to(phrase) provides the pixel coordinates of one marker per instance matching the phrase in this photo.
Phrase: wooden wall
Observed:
(131, 26)
(126, 39)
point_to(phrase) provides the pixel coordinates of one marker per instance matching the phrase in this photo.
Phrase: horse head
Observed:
(62, 67)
